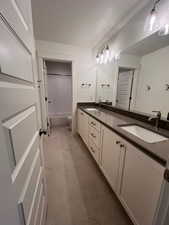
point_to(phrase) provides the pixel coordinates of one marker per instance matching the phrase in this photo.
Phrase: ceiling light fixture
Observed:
(117, 56)
(164, 30)
(111, 56)
(106, 54)
(101, 57)
(153, 16)
(97, 59)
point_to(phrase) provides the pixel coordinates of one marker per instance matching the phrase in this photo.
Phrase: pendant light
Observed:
(101, 58)
(153, 16)
(117, 56)
(97, 59)
(164, 30)
(106, 54)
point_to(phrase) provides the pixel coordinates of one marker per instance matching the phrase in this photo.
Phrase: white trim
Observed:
(74, 101)
(21, 17)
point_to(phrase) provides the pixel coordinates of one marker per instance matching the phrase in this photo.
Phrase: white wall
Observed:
(154, 72)
(81, 59)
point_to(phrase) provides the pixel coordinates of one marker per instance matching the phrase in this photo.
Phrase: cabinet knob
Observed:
(92, 150)
(41, 131)
(93, 135)
(122, 146)
(166, 175)
(117, 142)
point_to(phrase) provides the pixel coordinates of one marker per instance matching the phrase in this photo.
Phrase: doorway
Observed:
(124, 87)
(58, 93)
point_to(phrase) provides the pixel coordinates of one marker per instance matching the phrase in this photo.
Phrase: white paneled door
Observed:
(124, 89)
(22, 186)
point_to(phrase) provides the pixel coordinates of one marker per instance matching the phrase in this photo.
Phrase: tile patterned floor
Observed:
(77, 191)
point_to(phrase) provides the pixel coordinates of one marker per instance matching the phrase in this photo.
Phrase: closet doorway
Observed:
(59, 93)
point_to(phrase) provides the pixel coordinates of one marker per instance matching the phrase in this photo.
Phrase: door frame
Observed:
(43, 89)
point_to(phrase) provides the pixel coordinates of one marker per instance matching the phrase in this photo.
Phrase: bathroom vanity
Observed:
(129, 137)
(135, 168)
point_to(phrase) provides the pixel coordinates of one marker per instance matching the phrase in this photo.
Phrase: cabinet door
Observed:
(80, 122)
(111, 158)
(85, 128)
(83, 125)
(141, 186)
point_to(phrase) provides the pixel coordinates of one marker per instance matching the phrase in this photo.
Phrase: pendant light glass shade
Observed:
(164, 30)
(97, 59)
(106, 54)
(101, 58)
(111, 56)
(152, 20)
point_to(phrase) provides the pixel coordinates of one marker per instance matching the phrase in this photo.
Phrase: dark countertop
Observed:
(158, 151)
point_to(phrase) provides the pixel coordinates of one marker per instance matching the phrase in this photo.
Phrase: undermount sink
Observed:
(91, 109)
(144, 134)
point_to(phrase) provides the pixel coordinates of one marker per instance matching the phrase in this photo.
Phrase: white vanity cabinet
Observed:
(89, 130)
(141, 185)
(135, 177)
(112, 158)
(83, 125)
(94, 134)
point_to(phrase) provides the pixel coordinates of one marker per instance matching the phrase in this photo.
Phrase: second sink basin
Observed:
(91, 109)
(144, 134)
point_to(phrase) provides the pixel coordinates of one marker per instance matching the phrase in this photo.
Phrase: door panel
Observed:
(29, 188)
(20, 161)
(36, 197)
(40, 207)
(16, 127)
(18, 15)
(15, 98)
(22, 169)
(42, 217)
(13, 55)
(124, 86)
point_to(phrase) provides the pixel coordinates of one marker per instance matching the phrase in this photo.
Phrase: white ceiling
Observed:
(79, 22)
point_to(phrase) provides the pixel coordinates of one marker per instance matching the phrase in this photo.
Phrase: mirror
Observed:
(139, 80)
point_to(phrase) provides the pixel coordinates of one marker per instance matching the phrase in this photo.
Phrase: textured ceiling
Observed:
(79, 22)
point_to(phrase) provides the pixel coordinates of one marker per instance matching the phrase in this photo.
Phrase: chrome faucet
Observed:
(157, 118)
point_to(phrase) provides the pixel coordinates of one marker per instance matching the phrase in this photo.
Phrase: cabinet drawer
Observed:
(94, 150)
(94, 123)
(95, 136)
